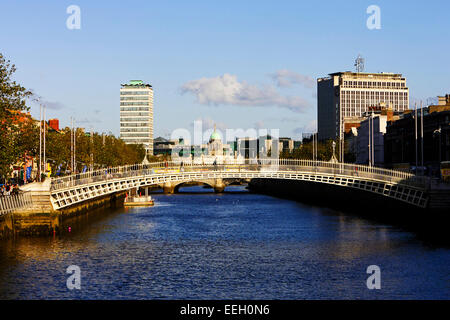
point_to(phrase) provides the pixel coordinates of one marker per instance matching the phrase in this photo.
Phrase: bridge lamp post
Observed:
(334, 149)
(437, 132)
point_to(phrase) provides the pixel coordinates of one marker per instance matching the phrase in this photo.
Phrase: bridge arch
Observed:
(401, 186)
(180, 185)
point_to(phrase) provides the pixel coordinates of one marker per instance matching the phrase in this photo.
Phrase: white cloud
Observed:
(310, 127)
(286, 78)
(227, 90)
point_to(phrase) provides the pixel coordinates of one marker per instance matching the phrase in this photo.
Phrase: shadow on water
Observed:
(200, 245)
(430, 227)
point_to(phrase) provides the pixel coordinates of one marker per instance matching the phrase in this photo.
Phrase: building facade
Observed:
(162, 146)
(370, 140)
(286, 145)
(136, 114)
(344, 97)
(400, 139)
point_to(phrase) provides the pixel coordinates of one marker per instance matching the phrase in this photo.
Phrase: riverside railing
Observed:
(273, 165)
(12, 203)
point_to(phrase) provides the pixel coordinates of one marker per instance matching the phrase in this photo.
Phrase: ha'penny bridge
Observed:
(70, 195)
(75, 189)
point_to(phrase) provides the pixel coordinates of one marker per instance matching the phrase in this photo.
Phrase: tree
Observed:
(12, 102)
(324, 151)
(107, 151)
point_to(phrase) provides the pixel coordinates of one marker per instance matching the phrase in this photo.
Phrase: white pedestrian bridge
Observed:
(78, 188)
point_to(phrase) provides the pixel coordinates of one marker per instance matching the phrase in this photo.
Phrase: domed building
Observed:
(217, 151)
(215, 145)
(214, 151)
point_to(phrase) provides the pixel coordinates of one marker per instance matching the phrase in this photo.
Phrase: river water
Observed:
(237, 245)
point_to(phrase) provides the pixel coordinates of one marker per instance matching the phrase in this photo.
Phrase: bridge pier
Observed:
(219, 185)
(168, 188)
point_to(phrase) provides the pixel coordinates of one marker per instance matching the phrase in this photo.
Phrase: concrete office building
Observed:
(343, 98)
(136, 114)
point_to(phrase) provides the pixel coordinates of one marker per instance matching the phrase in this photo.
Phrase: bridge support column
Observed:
(168, 188)
(219, 186)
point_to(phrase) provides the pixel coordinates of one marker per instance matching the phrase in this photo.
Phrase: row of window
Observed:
(135, 103)
(137, 141)
(141, 124)
(352, 109)
(135, 114)
(134, 93)
(135, 98)
(134, 135)
(374, 84)
(135, 130)
(146, 120)
(134, 109)
(374, 93)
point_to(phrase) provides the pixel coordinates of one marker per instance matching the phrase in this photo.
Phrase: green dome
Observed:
(215, 136)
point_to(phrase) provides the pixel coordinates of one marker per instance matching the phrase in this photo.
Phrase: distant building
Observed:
(247, 147)
(286, 145)
(264, 146)
(400, 138)
(163, 146)
(206, 153)
(54, 124)
(136, 114)
(443, 104)
(379, 117)
(343, 98)
(377, 128)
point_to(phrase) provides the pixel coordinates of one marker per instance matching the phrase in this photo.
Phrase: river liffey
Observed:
(237, 245)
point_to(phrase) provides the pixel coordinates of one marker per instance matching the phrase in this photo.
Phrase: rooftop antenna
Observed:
(359, 64)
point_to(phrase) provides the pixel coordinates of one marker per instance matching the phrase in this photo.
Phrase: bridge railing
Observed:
(12, 203)
(273, 165)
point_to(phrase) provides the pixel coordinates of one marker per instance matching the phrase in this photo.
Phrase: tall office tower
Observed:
(136, 114)
(344, 97)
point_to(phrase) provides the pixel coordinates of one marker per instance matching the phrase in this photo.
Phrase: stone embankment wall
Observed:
(42, 220)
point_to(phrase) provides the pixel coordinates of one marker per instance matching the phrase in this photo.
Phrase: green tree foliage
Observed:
(12, 132)
(107, 150)
(324, 151)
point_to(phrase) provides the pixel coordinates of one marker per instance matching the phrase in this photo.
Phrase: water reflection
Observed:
(231, 246)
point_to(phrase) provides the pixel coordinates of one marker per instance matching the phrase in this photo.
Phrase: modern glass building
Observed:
(136, 114)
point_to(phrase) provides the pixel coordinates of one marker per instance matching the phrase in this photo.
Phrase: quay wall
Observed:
(42, 220)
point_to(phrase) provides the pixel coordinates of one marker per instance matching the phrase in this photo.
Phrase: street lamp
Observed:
(334, 149)
(435, 133)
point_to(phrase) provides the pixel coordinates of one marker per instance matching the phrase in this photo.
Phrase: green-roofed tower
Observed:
(136, 114)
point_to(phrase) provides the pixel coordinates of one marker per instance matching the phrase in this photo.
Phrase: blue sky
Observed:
(174, 44)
